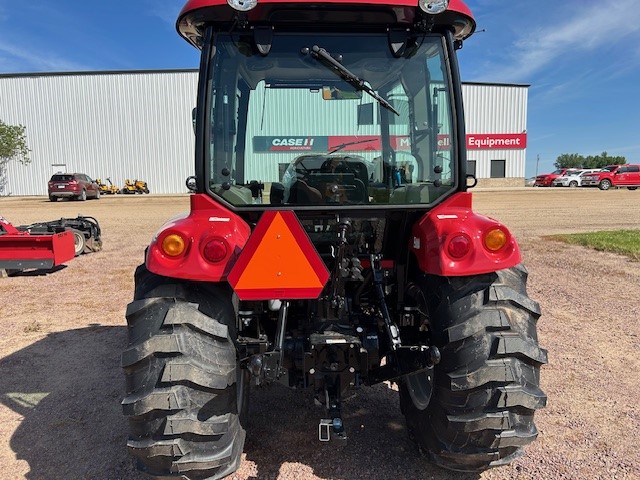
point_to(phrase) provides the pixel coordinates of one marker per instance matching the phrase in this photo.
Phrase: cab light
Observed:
(242, 5)
(459, 246)
(173, 245)
(433, 7)
(495, 239)
(215, 250)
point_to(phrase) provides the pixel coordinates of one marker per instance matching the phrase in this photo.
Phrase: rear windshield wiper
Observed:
(337, 148)
(326, 59)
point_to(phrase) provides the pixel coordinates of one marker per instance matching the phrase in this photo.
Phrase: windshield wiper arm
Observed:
(325, 58)
(337, 148)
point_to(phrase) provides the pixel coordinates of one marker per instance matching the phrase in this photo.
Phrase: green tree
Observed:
(602, 160)
(13, 146)
(575, 160)
(569, 160)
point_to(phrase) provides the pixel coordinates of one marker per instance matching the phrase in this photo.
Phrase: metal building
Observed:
(496, 125)
(137, 125)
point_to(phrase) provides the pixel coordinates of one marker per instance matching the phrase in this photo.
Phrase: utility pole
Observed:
(537, 162)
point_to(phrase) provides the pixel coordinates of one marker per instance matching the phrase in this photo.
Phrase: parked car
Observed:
(73, 185)
(627, 175)
(573, 179)
(546, 180)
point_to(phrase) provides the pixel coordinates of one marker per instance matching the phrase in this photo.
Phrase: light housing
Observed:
(242, 5)
(433, 7)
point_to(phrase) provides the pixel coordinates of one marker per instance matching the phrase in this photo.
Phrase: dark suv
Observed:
(73, 185)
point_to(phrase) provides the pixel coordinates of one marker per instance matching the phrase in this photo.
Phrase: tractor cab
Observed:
(284, 80)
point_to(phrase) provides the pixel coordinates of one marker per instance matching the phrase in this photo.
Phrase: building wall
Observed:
(117, 125)
(496, 109)
(128, 125)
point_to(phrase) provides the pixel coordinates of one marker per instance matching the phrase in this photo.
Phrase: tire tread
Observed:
(180, 366)
(487, 385)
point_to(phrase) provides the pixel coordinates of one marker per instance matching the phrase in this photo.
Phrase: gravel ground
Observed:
(61, 335)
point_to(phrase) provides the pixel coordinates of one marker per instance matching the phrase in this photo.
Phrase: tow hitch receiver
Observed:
(327, 426)
(334, 365)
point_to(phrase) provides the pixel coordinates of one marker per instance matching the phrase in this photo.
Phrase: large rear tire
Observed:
(182, 379)
(477, 410)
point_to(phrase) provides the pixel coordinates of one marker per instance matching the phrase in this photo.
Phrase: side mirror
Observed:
(191, 184)
(472, 181)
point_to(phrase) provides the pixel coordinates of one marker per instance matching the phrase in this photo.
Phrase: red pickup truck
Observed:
(546, 180)
(627, 175)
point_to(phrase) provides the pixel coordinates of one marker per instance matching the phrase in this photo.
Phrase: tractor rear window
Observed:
(330, 119)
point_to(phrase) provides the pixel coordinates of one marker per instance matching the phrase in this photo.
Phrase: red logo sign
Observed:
(496, 141)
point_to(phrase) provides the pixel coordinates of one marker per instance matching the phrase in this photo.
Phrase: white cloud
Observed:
(22, 59)
(565, 89)
(623, 149)
(594, 26)
(166, 10)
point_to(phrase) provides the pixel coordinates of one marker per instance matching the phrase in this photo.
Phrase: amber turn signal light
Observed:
(495, 239)
(173, 245)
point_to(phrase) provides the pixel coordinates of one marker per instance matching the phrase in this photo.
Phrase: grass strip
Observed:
(623, 242)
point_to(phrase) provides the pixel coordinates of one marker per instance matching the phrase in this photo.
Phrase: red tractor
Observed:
(331, 243)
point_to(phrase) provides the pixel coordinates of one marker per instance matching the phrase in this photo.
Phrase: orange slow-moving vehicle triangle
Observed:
(278, 261)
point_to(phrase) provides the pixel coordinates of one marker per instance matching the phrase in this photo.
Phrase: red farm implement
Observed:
(45, 245)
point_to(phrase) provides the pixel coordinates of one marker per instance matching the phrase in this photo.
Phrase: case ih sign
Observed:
(363, 143)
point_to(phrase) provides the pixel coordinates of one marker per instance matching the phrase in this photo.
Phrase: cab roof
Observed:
(355, 12)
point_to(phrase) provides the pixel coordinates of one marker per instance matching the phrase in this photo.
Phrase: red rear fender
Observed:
(451, 240)
(207, 222)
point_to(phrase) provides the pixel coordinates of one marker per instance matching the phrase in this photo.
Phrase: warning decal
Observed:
(278, 262)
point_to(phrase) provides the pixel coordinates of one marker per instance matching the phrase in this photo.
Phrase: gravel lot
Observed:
(61, 335)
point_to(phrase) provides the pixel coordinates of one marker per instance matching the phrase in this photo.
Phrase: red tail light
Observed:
(459, 246)
(215, 250)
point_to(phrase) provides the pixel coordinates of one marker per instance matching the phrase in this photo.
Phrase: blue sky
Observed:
(581, 58)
